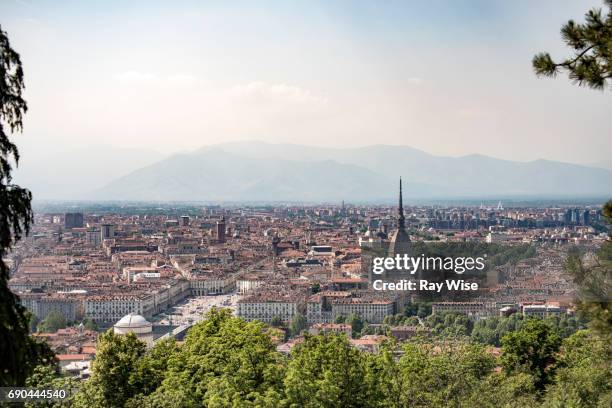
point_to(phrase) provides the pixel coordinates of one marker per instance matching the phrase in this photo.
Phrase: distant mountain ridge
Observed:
(257, 171)
(73, 174)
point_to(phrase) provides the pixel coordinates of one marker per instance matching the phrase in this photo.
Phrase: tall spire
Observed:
(400, 240)
(401, 219)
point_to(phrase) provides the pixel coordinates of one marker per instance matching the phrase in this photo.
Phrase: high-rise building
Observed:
(185, 220)
(221, 230)
(73, 220)
(107, 231)
(586, 217)
(93, 237)
(567, 217)
(576, 216)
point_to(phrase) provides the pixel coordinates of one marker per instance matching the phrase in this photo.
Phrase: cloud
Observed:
(183, 79)
(145, 78)
(414, 81)
(135, 77)
(259, 90)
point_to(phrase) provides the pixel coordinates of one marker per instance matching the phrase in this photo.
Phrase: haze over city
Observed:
(305, 203)
(447, 77)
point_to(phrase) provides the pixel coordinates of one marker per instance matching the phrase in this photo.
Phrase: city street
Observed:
(192, 309)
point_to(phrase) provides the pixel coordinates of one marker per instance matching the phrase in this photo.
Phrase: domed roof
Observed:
(132, 320)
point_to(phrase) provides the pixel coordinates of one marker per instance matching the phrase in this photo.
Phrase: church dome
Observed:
(133, 323)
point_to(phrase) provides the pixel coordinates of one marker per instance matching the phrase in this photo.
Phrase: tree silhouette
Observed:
(592, 45)
(20, 353)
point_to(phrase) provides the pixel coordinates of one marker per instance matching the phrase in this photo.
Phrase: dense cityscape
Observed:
(305, 204)
(157, 275)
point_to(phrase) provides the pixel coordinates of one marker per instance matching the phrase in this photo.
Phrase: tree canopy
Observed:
(228, 362)
(592, 274)
(591, 43)
(20, 352)
(531, 349)
(52, 323)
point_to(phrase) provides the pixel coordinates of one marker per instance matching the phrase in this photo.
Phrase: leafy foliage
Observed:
(489, 331)
(356, 323)
(20, 352)
(298, 323)
(227, 362)
(113, 380)
(326, 371)
(593, 277)
(427, 375)
(52, 323)
(224, 361)
(46, 377)
(90, 325)
(591, 42)
(532, 349)
(276, 321)
(583, 373)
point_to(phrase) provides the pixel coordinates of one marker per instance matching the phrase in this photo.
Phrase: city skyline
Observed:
(449, 78)
(306, 203)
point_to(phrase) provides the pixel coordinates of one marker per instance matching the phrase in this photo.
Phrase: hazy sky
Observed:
(448, 77)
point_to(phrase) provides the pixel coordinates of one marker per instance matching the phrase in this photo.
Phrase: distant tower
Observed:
(221, 230)
(567, 217)
(185, 220)
(93, 237)
(73, 220)
(275, 242)
(576, 216)
(400, 240)
(586, 217)
(107, 231)
(500, 207)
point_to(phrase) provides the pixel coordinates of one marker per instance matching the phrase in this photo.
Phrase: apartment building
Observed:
(264, 306)
(211, 284)
(370, 310)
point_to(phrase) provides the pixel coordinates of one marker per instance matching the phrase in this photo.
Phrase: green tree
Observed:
(356, 323)
(223, 362)
(112, 383)
(298, 323)
(591, 64)
(151, 370)
(20, 352)
(531, 349)
(427, 375)
(53, 322)
(326, 371)
(593, 278)
(46, 377)
(502, 390)
(583, 375)
(276, 321)
(34, 321)
(90, 325)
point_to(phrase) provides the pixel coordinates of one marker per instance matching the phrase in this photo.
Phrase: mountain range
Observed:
(257, 171)
(73, 174)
